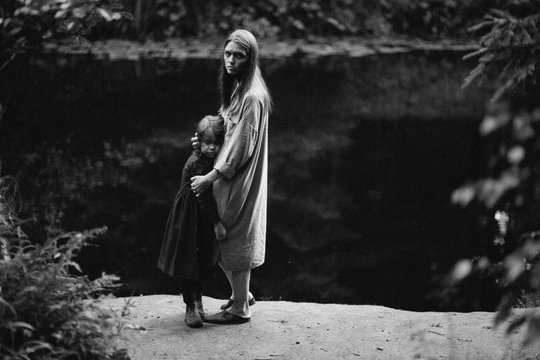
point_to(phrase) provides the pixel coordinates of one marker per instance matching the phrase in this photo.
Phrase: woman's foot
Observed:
(229, 303)
(192, 317)
(226, 318)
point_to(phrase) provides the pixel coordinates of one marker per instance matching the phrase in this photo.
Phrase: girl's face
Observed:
(235, 58)
(209, 145)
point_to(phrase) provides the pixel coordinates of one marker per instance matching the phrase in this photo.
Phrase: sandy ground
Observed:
(282, 330)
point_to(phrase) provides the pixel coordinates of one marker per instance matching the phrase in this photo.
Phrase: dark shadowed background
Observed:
(364, 154)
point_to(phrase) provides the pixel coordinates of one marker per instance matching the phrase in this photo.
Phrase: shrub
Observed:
(47, 309)
(509, 193)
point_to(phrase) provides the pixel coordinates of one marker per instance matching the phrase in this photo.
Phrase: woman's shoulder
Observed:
(253, 95)
(253, 98)
(258, 101)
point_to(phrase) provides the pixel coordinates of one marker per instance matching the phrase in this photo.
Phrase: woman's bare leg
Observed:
(240, 286)
(229, 276)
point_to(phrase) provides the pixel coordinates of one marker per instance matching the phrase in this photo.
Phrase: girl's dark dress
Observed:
(189, 249)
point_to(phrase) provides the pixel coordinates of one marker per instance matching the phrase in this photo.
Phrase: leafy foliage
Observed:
(47, 311)
(56, 183)
(511, 49)
(26, 24)
(512, 166)
(510, 191)
(510, 195)
(300, 18)
(266, 18)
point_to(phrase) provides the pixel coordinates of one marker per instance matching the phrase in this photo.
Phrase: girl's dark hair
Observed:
(210, 124)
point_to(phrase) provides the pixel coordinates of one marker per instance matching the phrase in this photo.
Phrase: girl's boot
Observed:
(199, 307)
(192, 317)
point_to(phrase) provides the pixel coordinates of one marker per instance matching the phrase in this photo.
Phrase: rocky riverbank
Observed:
(282, 330)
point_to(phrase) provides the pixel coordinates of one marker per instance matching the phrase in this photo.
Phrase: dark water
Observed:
(364, 153)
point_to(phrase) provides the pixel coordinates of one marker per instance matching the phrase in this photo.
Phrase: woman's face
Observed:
(235, 58)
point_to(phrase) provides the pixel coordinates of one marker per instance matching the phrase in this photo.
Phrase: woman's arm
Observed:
(199, 183)
(242, 139)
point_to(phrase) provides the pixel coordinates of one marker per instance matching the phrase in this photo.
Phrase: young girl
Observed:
(189, 249)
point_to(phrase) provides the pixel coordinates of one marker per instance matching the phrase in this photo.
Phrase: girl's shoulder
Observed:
(196, 160)
(193, 166)
(192, 160)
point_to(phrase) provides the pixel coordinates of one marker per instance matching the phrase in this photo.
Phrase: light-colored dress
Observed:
(241, 191)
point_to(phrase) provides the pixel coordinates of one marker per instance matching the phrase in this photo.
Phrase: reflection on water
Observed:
(362, 210)
(361, 169)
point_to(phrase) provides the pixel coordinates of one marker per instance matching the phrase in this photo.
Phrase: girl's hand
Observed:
(220, 231)
(199, 184)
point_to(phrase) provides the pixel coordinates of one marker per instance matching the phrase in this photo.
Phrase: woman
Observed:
(239, 176)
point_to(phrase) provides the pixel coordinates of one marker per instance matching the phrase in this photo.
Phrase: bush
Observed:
(509, 193)
(48, 310)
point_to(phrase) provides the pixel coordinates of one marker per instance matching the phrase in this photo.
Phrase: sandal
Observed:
(226, 318)
(229, 303)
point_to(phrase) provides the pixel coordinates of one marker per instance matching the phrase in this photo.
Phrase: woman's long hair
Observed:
(251, 79)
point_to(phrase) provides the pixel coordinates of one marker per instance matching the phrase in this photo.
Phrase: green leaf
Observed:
(106, 14)
(26, 290)
(127, 15)
(21, 325)
(34, 346)
(480, 26)
(74, 265)
(475, 53)
(8, 305)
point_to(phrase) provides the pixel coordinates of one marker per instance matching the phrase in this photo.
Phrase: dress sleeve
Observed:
(242, 140)
(186, 174)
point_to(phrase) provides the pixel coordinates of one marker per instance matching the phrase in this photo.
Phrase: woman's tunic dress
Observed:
(241, 191)
(189, 249)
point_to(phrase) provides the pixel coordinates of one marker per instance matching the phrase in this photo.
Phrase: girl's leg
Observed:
(188, 291)
(192, 317)
(240, 286)
(198, 299)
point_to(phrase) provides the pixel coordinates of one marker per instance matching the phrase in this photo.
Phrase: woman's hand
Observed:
(195, 141)
(220, 231)
(199, 184)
